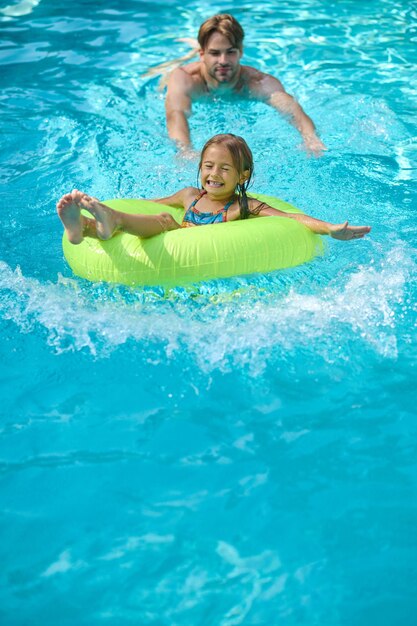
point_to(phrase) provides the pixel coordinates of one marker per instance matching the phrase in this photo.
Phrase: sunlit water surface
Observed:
(238, 452)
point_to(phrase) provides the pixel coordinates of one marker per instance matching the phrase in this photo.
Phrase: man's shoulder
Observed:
(252, 74)
(191, 71)
(187, 77)
(260, 83)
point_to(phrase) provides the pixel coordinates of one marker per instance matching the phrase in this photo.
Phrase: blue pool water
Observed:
(242, 451)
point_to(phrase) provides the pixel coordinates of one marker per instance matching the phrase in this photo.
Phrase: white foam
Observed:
(25, 7)
(406, 157)
(359, 308)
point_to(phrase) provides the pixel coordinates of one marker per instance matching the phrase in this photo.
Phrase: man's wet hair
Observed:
(226, 25)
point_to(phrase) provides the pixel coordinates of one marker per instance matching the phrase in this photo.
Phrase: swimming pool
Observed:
(241, 452)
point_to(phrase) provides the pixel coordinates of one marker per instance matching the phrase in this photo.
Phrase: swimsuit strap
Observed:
(194, 202)
(194, 209)
(228, 205)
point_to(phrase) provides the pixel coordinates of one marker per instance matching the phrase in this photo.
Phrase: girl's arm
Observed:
(180, 199)
(343, 231)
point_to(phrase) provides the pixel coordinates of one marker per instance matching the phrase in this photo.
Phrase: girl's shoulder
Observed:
(255, 206)
(181, 198)
(190, 194)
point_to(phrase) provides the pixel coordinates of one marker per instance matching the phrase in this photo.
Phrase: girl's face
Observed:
(219, 177)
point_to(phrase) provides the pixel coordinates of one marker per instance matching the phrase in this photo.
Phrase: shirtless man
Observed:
(219, 72)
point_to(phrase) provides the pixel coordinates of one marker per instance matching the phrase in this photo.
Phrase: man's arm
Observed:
(272, 91)
(178, 106)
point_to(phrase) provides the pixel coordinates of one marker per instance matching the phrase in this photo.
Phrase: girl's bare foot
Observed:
(69, 213)
(106, 222)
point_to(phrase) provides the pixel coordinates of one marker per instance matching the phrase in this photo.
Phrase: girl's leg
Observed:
(108, 221)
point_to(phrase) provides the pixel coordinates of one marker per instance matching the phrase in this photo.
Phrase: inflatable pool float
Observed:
(190, 255)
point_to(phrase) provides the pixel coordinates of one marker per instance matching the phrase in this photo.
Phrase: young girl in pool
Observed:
(225, 169)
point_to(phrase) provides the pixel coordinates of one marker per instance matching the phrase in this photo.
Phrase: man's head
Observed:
(221, 39)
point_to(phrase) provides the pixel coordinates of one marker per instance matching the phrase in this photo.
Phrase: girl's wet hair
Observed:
(226, 25)
(242, 160)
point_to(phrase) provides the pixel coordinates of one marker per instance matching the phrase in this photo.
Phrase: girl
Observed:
(225, 169)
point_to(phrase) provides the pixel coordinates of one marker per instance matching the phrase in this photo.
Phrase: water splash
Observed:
(245, 325)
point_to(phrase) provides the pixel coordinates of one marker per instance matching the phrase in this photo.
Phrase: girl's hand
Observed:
(344, 232)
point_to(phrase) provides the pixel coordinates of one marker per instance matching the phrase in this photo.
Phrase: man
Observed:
(219, 72)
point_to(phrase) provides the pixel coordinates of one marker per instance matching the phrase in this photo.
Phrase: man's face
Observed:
(220, 59)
